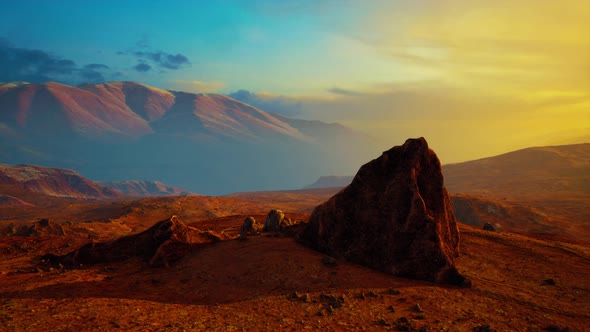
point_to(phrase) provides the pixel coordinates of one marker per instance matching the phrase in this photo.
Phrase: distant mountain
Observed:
(144, 188)
(207, 143)
(49, 181)
(331, 181)
(548, 169)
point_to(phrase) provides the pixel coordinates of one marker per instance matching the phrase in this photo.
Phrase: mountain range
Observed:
(207, 143)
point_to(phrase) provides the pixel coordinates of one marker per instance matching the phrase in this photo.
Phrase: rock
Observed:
(549, 282)
(328, 261)
(383, 322)
(483, 328)
(273, 221)
(250, 227)
(395, 216)
(489, 227)
(392, 291)
(417, 308)
(42, 227)
(160, 245)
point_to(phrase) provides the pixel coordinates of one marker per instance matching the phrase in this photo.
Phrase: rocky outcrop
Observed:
(42, 227)
(162, 244)
(275, 221)
(250, 227)
(395, 216)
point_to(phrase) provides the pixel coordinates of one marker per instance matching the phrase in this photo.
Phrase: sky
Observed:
(476, 78)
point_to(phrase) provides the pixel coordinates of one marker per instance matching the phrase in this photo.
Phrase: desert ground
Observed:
(270, 282)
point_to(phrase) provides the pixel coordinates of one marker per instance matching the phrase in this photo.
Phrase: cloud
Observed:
(345, 92)
(142, 67)
(163, 59)
(33, 65)
(96, 66)
(269, 103)
(197, 86)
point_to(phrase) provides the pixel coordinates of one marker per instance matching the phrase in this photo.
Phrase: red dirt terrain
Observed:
(269, 282)
(519, 284)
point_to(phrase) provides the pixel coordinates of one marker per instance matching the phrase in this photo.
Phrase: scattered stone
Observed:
(483, 328)
(250, 227)
(391, 308)
(372, 294)
(273, 221)
(403, 324)
(417, 308)
(395, 216)
(383, 322)
(295, 295)
(420, 317)
(361, 296)
(392, 291)
(306, 298)
(328, 261)
(549, 282)
(489, 227)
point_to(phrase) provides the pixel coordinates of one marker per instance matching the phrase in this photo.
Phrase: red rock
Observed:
(162, 244)
(395, 216)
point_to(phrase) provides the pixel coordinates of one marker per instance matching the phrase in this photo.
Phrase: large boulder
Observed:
(250, 227)
(275, 221)
(160, 245)
(395, 216)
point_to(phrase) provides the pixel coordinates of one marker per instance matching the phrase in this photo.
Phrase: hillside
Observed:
(46, 181)
(144, 188)
(563, 169)
(123, 130)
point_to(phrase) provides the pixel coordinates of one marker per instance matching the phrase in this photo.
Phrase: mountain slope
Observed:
(537, 170)
(51, 182)
(57, 110)
(144, 188)
(117, 131)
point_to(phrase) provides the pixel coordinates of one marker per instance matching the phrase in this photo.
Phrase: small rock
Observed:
(372, 294)
(392, 291)
(483, 328)
(382, 322)
(417, 308)
(419, 317)
(391, 308)
(549, 282)
(328, 261)
(489, 227)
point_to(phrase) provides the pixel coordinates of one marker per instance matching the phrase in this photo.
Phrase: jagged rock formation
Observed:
(162, 244)
(395, 216)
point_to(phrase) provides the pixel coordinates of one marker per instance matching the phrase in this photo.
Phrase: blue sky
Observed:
(475, 77)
